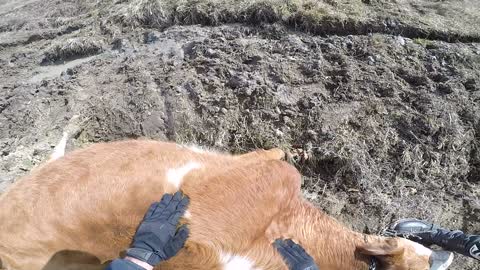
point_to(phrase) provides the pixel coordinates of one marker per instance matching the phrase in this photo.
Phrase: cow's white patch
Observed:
(233, 262)
(175, 176)
(59, 150)
(187, 214)
(421, 250)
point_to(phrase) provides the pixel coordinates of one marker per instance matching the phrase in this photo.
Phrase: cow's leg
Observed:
(59, 150)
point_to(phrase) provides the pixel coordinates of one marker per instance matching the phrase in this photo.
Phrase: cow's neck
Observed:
(332, 245)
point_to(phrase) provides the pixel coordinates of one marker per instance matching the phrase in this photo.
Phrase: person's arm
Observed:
(294, 255)
(157, 238)
(427, 233)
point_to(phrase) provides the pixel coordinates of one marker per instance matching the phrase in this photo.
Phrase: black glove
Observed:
(294, 255)
(157, 238)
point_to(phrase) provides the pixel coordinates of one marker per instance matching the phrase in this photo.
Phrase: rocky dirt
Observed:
(383, 125)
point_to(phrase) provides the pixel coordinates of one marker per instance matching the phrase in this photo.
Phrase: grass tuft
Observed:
(320, 17)
(152, 13)
(72, 49)
(423, 42)
(161, 14)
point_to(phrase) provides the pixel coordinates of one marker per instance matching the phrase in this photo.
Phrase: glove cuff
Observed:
(144, 255)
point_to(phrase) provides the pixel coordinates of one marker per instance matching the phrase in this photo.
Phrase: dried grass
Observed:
(160, 14)
(326, 16)
(71, 49)
(152, 13)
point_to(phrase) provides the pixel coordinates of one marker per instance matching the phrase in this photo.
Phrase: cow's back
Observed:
(90, 200)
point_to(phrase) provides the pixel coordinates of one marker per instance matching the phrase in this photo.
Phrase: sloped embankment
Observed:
(380, 112)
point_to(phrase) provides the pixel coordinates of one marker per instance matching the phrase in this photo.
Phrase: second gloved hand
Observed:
(157, 238)
(294, 255)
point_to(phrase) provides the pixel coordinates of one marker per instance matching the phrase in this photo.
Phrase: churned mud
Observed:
(378, 105)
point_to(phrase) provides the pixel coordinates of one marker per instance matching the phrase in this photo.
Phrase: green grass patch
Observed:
(423, 42)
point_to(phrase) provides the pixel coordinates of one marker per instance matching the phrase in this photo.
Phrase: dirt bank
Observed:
(381, 126)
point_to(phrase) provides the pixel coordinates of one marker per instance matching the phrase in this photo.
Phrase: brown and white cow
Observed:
(82, 209)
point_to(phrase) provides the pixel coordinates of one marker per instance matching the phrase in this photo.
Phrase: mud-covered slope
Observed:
(381, 126)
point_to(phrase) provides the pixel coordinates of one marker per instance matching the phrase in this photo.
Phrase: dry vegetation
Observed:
(423, 19)
(71, 49)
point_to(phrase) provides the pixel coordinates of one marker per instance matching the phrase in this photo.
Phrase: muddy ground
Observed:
(384, 123)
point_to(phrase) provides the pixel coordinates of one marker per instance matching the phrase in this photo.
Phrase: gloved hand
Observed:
(157, 238)
(294, 255)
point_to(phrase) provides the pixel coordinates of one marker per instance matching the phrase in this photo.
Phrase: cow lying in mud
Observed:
(83, 209)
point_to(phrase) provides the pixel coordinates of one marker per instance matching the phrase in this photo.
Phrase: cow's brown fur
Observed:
(93, 199)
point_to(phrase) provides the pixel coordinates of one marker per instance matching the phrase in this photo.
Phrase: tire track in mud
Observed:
(12, 6)
(34, 37)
